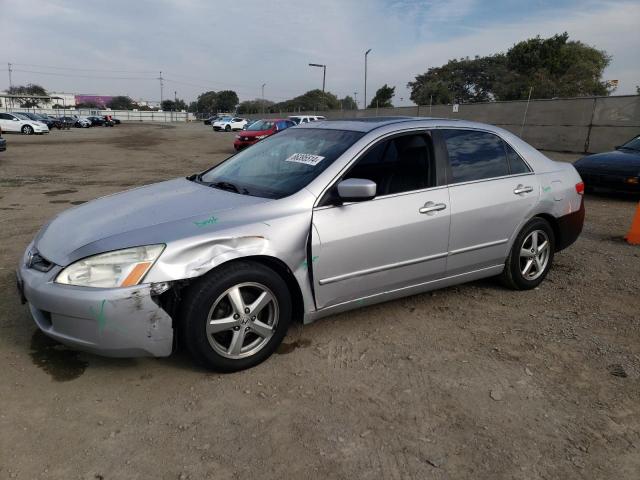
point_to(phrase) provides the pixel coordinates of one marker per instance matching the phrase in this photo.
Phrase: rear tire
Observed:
(235, 317)
(531, 256)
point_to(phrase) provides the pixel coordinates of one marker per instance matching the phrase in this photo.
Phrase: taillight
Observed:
(580, 188)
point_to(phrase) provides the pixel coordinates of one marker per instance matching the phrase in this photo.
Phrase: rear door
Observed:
(492, 191)
(395, 240)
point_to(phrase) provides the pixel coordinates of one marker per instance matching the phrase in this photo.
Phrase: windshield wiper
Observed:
(226, 186)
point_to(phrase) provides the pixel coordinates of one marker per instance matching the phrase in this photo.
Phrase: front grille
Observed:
(38, 262)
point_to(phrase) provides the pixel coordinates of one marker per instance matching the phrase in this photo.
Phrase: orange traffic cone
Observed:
(633, 237)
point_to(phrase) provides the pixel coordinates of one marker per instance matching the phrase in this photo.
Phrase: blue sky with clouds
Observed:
(118, 47)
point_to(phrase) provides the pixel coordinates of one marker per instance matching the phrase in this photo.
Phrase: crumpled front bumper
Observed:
(114, 322)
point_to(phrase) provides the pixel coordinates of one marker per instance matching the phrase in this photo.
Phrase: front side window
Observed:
(397, 165)
(282, 164)
(475, 155)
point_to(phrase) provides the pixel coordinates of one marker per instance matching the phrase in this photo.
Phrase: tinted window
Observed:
(632, 144)
(475, 155)
(282, 164)
(4, 116)
(401, 164)
(516, 164)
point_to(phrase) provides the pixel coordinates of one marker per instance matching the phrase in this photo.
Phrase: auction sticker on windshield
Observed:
(306, 158)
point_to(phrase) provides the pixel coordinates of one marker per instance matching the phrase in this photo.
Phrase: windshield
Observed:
(282, 164)
(633, 144)
(260, 125)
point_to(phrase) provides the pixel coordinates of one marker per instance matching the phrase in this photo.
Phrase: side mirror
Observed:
(356, 190)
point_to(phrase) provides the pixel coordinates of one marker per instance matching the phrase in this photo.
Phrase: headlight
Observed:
(120, 268)
(260, 137)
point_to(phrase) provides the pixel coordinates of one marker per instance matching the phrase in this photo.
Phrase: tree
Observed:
(383, 96)
(171, 105)
(553, 66)
(208, 102)
(27, 90)
(311, 100)
(227, 101)
(254, 106)
(348, 103)
(121, 103)
(193, 107)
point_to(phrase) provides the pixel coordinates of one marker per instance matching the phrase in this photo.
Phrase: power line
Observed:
(80, 76)
(52, 67)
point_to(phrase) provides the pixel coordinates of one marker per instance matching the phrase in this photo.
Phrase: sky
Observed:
(119, 47)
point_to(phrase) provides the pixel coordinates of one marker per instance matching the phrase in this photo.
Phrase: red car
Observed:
(259, 130)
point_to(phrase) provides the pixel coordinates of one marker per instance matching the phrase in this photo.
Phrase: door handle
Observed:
(522, 189)
(431, 207)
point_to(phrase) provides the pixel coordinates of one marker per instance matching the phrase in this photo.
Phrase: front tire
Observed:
(27, 130)
(227, 128)
(531, 256)
(236, 316)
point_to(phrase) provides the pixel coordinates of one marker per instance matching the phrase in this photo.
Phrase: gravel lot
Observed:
(474, 381)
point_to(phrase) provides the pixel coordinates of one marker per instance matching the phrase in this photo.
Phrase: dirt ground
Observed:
(473, 381)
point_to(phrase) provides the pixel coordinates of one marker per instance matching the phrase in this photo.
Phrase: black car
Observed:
(617, 170)
(96, 121)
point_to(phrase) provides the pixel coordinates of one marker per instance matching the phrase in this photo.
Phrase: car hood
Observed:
(156, 213)
(618, 160)
(255, 133)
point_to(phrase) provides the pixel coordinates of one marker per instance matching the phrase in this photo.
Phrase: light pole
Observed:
(366, 54)
(263, 85)
(355, 99)
(324, 76)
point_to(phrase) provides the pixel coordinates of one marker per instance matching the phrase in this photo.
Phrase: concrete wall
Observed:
(593, 124)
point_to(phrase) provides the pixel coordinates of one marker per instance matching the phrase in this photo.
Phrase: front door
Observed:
(8, 123)
(395, 240)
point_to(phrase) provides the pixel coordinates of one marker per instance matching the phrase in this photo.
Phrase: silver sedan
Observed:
(315, 220)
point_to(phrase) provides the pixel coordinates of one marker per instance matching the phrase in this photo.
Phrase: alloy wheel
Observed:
(534, 254)
(242, 320)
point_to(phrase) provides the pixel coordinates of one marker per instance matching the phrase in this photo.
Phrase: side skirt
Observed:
(404, 292)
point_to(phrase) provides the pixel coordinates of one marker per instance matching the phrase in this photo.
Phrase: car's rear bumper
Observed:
(115, 322)
(569, 228)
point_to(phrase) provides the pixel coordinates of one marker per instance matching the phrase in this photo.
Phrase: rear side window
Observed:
(475, 155)
(516, 164)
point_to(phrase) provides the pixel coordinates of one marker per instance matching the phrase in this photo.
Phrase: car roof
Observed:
(368, 124)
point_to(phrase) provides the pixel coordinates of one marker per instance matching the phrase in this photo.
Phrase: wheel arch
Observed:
(553, 222)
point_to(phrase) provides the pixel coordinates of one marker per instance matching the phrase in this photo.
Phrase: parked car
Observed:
(15, 122)
(209, 120)
(38, 118)
(78, 122)
(229, 123)
(116, 121)
(3, 142)
(96, 121)
(617, 170)
(298, 119)
(316, 220)
(260, 130)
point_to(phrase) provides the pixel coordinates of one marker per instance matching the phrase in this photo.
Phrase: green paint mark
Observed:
(100, 316)
(305, 264)
(209, 221)
(546, 189)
